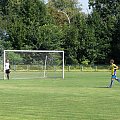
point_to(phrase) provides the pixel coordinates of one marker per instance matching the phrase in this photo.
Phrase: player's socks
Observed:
(118, 80)
(8, 77)
(111, 83)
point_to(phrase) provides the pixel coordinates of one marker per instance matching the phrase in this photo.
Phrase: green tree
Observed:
(70, 44)
(23, 19)
(115, 44)
(60, 9)
(50, 37)
(63, 12)
(103, 20)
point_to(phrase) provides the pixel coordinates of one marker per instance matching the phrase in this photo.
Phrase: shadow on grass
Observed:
(103, 87)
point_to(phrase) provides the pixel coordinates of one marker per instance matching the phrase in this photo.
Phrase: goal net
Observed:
(34, 64)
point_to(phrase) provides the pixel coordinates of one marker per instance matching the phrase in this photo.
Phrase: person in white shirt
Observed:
(7, 68)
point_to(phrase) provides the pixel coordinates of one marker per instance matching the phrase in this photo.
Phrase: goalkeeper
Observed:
(113, 69)
(7, 68)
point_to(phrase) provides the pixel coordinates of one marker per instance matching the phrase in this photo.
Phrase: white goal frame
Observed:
(42, 51)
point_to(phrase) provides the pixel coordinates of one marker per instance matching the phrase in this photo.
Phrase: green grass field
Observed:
(80, 96)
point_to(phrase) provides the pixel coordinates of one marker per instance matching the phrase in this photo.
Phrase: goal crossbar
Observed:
(51, 51)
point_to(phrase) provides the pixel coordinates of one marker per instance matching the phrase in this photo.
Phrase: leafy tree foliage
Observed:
(50, 37)
(23, 19)
(104, 19)
(60, 25)
(115, 44)
(70, 44)
(63, 13)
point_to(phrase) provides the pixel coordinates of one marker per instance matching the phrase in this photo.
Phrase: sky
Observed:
(84, 5)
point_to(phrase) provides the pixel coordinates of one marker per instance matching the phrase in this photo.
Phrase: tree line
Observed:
(92, 38)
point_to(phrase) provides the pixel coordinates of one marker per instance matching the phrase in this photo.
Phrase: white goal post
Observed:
(35, 63)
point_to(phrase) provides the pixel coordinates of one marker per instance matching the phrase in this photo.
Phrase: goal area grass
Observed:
(80, 96)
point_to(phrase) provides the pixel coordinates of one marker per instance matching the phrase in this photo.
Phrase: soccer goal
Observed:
(34, 64)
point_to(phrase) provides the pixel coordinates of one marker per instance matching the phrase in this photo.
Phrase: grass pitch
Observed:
(80, 96)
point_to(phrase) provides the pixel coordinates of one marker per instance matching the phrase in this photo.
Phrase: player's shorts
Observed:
(113, 77)
(7, 71)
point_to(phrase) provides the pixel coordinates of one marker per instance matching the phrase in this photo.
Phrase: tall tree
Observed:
(50, 37)
(23, 19)
(103, 19)
(70, 44)
(115, 44)
(63, 13)
(63, 10)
